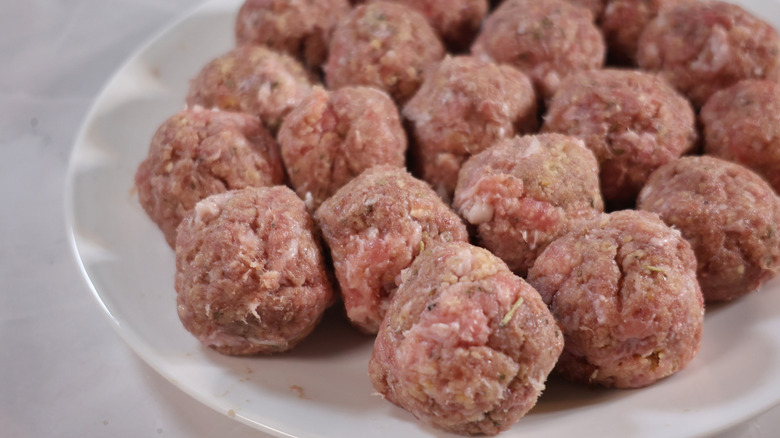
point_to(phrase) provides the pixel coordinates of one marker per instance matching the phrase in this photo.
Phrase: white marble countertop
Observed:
(65, 372)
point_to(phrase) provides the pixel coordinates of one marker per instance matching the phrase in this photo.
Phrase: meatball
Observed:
(254, 80)
(300, 28)
(465, 105)
(704, 46)
(455, 21)
(523, 193)
(729, 215)
(547, 40)
(466, 345)
(199, 152)
(623, 286)
(334, 136)
(742, 124)
(596, 7)
(623, 22)
(633, 121)
(383, 44)
(375, 225)
(250, 275)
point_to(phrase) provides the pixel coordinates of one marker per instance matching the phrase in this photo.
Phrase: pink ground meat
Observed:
(301, 28)
(547, 40)
(254, 80)
(742, 124)
(624, 289)
(523, 193)
(703, 46)
(623, 22)
(466, 345)
(334, 136)
(633, 121)
(385, 45)
(375, 225)
(728, 214)
(455, 21)
(465, 105)
(197, 153)
(250, 275)
(596, 7)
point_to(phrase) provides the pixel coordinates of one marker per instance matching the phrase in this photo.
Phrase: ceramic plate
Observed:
(321, 388)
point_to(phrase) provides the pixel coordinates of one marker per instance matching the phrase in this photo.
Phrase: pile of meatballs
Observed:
(496, 191)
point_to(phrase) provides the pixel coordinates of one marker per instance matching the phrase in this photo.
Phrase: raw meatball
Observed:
(623, 22)
(334, 136)
(596, 7)
(301, 28)
(383, 44)
(465, 105)
(742, 124)
(375, 226)
(623, 286)
(547, 40)
(254, 80)
(728, 214)
(466, 345)
(197, 153)
(633, 122)
(250, 275)
(702, 47)
(456, 21)
(523, 193)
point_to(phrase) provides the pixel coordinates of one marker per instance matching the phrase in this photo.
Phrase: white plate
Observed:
(321, 388)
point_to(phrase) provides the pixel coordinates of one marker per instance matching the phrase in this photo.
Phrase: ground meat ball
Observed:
(633, 121)
(596, 7)
(197, 153)
(547, 40)
(254, 80)
(465, 105)
(375, 226)
(456, 22)
(523, 193)
(728, 214)
(702, 47)
(623, 22)
(250, 276)
(742, 124)
(624, 288)
(466, 346)
(383, 44)
(301, 28)
(334, 136)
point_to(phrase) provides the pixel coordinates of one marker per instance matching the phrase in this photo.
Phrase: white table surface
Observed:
(63, 371)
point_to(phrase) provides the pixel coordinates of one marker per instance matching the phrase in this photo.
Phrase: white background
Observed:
(63, 370)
